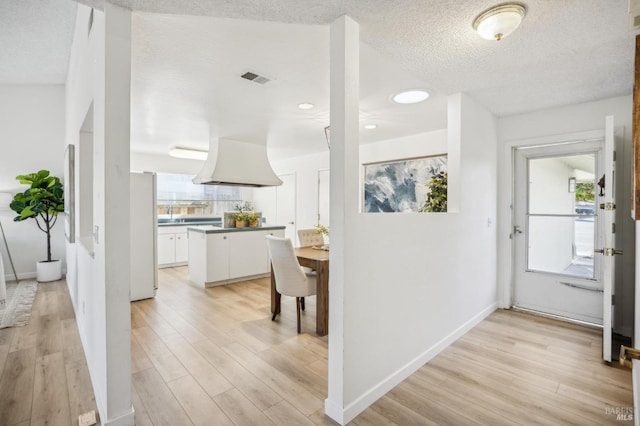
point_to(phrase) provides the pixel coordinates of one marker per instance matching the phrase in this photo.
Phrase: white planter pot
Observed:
(49, 271)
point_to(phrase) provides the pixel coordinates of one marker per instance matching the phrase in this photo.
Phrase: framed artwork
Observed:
(70, 194)
(400, 186)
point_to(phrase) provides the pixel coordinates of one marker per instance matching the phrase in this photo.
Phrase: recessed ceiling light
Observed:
(305, 105)
(411, 96)
(191, 154)
(370, 126)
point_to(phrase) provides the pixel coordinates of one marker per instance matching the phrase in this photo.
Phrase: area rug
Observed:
(16, 310)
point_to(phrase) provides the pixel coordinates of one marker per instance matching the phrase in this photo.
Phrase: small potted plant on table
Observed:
(42, 201)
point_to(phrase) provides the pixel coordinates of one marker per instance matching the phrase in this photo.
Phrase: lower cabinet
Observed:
(173, 246)
(220, 257)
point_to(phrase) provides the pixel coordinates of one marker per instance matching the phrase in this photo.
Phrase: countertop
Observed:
(208, 229)
(205, 222)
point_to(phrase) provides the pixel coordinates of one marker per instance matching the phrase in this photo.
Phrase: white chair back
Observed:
(290, 278)
(310, 237)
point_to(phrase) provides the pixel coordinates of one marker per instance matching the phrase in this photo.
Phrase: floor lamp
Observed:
(5, 200)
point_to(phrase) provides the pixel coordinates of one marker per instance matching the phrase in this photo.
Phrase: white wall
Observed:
(416, 282)
(32, 139)
(99, 75)
(571, 120)
(419, 280)
(306, 168)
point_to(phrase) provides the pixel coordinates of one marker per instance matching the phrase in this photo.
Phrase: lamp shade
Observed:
(5, 199)
(499, 21)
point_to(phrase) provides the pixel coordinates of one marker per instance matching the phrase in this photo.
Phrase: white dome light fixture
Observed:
(305, 105)
(499, 21)
(412, 96)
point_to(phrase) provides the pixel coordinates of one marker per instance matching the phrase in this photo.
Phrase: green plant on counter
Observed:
(42, 201)
(321, 229)
(252, 218)
(240, 217)
(437, 196)
(243, 207)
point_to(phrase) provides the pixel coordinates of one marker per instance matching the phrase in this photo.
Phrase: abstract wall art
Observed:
(400, 186)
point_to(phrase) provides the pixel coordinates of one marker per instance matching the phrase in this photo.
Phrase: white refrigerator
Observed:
(144, 225)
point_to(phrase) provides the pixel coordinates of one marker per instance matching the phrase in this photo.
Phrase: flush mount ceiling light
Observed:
(412, 96)
(499, 21)
(370, 126)
(305, 105)
(191, 154)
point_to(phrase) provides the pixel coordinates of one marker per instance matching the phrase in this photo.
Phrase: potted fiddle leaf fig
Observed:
(42, 201)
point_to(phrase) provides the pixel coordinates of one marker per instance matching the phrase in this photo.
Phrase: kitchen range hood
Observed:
(237, 163)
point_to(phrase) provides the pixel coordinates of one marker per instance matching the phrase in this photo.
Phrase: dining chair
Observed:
(310, 237)
(291, 280)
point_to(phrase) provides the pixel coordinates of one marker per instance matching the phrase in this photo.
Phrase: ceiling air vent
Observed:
(256, 78)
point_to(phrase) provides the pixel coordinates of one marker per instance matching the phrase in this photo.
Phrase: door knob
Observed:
(627, 354)
(517, 230)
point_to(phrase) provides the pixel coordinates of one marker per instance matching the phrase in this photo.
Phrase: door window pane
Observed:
(562, 245)
(561, 195)
(562, 185)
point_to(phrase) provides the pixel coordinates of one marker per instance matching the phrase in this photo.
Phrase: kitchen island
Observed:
(226, 255)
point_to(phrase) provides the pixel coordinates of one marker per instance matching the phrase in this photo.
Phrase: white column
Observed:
(344, 90)
(116, 232)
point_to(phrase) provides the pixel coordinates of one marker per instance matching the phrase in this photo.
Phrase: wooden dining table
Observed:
(318, 260)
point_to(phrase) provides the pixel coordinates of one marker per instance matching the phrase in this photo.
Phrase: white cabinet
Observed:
(247, 254)
(182, 247)
(173, 246)
(217, 257)
(223, 257)
(166, 249)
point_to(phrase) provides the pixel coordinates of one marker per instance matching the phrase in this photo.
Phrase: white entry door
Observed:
(556, 230)
(286, 205)
(607, 250)
(559, 225)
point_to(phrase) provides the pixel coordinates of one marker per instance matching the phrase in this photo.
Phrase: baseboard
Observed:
(334, 411)
(363, 402)
(26, 275)
(127, 419)
(21, 276)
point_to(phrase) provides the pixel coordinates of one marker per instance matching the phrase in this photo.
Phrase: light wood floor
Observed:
(45, 379)
(214, 357)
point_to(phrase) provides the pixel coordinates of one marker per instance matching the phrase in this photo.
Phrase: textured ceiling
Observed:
(186, 86)
(565, 52)
(35, 40)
